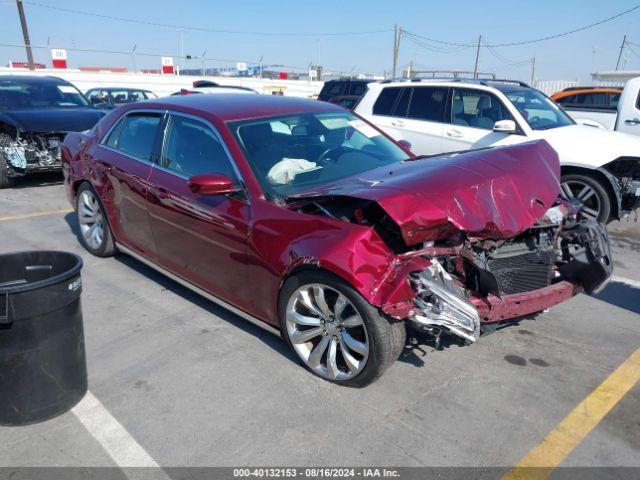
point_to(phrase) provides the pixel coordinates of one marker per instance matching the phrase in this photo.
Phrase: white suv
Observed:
(600, 169)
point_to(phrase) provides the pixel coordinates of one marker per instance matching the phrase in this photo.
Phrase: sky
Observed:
(571, 57)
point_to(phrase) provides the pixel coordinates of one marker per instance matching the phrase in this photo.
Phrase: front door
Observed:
(200, 238)
(473, 114)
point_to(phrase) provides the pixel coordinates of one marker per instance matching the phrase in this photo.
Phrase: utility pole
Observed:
(475, 67)
(25, 34)
(533, 70)
(133, 57)
(624, 41)
(397, 35)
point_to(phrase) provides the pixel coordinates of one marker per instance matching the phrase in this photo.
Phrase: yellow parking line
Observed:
(37, 214)
(548, 454)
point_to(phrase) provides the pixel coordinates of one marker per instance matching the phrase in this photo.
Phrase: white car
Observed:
(206, 86)
(622, 115)
(600, 169)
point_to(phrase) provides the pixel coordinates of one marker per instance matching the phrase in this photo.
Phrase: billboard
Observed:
(58, 58)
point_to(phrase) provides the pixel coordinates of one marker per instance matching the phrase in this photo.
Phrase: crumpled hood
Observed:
(492, 193)
(53, 119)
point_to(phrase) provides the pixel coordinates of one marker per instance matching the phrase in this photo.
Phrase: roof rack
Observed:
(478, 81)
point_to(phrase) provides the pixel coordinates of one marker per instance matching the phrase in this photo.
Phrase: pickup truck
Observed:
(623, 117)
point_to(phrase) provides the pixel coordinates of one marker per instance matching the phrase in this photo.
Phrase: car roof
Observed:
(109, 89)
(580, 91)
(34, 79)
(230, 106)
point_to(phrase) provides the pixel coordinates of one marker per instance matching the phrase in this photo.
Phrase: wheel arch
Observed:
(605, 179)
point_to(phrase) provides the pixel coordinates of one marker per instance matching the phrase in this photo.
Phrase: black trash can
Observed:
(43, 370)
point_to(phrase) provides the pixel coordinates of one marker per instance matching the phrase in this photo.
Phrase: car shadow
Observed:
(165, 282)
(621, 295)
(72, 222)
(269, 339)
(44, 179)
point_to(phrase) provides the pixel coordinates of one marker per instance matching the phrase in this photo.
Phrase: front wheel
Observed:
(589, 193)
(95, 234)
(335, 332)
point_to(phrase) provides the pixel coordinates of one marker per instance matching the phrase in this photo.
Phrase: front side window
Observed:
(540, 112)
(428, 103)
(135, 134)
(193, 148)
(477, 108)
(294, 153)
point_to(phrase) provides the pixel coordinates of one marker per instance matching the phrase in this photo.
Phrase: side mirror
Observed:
(405, 144)
(211, 184)
(505, 126)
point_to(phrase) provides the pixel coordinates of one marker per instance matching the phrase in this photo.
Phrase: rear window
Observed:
(386, 100)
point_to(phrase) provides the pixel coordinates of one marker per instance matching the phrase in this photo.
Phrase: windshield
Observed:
(39, 94)
(540, 112)
(290, 154)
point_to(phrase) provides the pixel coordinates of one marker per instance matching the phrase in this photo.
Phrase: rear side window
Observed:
(333, 89)
(358, 88)
(386, 100)
(135, 134)
(428, 103)
(193, 148)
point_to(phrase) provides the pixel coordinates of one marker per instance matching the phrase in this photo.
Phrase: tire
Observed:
(94, 231)
(5, 180)
(595, 200)
(383, 339)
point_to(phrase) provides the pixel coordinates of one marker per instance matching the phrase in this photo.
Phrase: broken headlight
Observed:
(440, 302)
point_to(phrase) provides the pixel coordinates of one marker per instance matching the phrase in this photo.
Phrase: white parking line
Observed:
(113, 437)
(628, 281)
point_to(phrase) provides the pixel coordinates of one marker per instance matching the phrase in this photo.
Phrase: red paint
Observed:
(510, 306)
(495, 193)
(211, 184)
(61, 64)
(241, 247)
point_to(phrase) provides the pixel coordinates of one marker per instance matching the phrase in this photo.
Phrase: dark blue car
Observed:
(36, 112)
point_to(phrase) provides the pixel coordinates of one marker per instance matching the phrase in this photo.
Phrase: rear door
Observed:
(421, 111)
(125, 161)
(202, 239)
(470, 122)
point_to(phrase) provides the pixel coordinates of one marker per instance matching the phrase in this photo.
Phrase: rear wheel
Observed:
(95, 234)
(589, 193)
(335, 332)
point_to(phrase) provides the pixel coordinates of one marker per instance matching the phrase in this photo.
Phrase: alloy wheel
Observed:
(91, 219)
(585, 195)
(327, 332)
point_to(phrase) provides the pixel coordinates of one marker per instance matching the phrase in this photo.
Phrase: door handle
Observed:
(163, 193)
(454, 133)
(634, 121)
(397, 123)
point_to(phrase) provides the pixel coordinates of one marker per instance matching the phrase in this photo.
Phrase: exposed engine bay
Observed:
(32, 152)
(478, 281)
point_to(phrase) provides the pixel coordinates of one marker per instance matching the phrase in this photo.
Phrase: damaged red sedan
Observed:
(305, 219)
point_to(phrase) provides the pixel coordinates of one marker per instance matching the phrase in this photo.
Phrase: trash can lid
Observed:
(30, 270)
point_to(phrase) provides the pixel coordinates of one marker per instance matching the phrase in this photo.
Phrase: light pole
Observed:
(181, 32)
